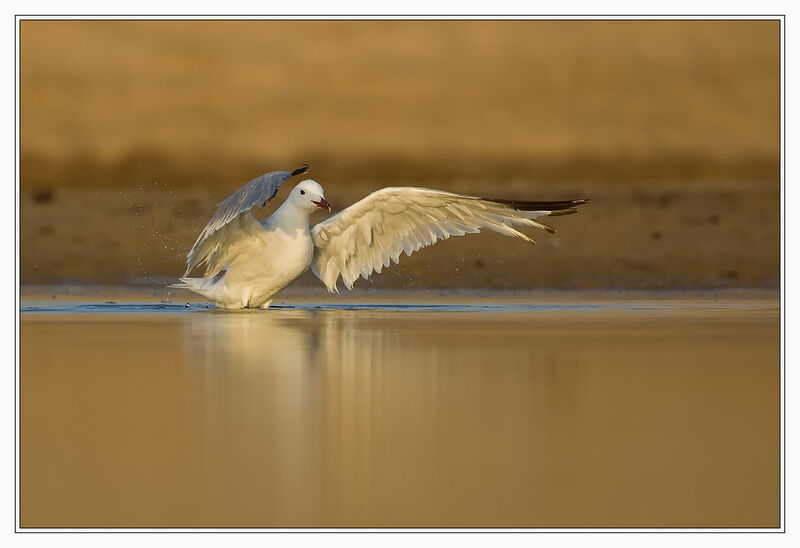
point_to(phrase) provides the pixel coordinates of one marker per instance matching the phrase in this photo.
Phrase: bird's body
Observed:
(248, 263)
(254, 277)
(260, 259)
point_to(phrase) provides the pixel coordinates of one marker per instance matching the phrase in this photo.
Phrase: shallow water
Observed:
(597, 414)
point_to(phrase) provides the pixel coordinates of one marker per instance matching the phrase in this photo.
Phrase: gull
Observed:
(248, 262)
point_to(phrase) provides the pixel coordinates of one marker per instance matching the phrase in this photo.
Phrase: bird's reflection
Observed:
(327, 406)
(249, 339)
(254, 374)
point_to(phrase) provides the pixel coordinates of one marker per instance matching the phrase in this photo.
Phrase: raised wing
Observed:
(364, 237)
(232, 218)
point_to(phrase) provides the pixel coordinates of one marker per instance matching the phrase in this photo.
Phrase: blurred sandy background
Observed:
(132, 131)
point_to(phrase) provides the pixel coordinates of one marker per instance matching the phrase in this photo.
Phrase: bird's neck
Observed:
(290, 217)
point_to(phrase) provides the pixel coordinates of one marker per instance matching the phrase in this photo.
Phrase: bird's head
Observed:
(309, 195)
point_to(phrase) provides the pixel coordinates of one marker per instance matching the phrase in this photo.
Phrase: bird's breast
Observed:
(290, 250)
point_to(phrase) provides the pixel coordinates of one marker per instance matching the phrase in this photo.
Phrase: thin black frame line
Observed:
(17, 290)
(409, 529)
(782, 141)
(602, 17)
(478, 18)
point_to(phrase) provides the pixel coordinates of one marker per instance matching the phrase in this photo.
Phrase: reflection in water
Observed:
(258, 385)
(365, 403)
(369, 418)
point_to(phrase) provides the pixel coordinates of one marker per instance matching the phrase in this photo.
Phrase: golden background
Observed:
(131, 131)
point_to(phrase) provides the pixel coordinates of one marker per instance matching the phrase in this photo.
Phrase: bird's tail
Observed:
(206, 287)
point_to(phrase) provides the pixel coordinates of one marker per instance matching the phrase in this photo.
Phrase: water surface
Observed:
(599, 414)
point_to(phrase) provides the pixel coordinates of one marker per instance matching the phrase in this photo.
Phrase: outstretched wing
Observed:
(232, 218)
(364, 237)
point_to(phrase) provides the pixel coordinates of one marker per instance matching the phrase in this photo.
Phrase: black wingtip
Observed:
(300, 170)
(561, 205)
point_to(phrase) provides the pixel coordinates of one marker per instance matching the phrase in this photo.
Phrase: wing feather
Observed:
(233, 220)
(374, 232)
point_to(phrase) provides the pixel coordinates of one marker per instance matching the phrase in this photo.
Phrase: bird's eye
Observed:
(302, 192)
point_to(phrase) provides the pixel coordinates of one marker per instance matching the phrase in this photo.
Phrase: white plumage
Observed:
(247, 262)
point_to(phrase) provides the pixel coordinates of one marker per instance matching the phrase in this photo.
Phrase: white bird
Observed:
(247, 263)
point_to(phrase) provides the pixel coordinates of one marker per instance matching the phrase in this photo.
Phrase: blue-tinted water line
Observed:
(74, 307)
